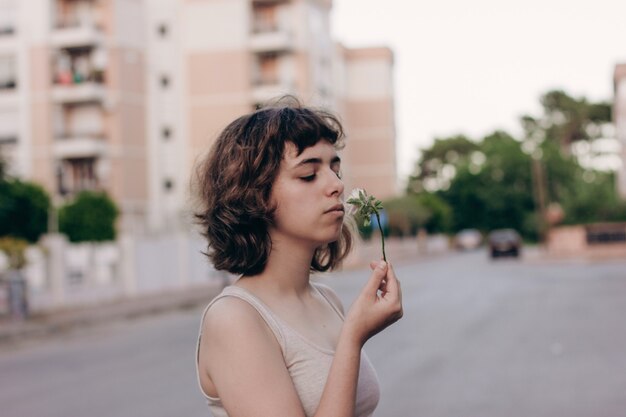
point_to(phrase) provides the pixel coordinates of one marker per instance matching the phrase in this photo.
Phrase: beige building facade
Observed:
(368, 112)
(126, 95)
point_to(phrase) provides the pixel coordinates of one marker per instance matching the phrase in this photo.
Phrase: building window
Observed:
(268, 69)
(76, 174)
(8, 16)
(8, 75)
(162, 30)
(264, 18)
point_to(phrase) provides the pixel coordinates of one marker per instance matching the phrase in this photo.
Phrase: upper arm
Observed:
(245, 362)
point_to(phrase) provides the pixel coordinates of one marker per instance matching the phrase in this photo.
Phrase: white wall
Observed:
(165, 110)
(129, 23)
(62, 275)
(218, 25)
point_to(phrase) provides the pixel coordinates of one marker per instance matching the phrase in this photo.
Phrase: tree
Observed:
(440, 220)
(436, 166)
(566, 120)
(496, 194)
(24, 210)
(593, 199)
(89, 217)
(493, 182)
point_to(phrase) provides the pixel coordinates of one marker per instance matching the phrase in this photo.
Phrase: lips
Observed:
(336, 207)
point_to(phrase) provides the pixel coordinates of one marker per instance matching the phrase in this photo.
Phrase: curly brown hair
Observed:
(235, 182)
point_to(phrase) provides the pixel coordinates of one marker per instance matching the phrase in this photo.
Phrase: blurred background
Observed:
(494, 134)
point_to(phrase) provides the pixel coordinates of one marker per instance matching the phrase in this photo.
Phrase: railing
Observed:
(80, 92)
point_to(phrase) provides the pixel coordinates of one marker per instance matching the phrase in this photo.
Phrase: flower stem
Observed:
(382, 235)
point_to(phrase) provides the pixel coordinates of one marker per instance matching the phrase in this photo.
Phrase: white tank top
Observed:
(307, 363)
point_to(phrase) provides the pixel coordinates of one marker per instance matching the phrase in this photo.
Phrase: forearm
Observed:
(339, 396)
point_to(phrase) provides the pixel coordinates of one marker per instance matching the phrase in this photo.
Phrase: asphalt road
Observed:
(479, 338)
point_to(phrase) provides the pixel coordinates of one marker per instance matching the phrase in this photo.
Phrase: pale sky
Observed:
(473, 66)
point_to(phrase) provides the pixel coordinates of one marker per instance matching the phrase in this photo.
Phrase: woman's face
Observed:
(308, 194)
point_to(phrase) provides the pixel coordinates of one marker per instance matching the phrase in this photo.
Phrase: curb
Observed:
(48, 324)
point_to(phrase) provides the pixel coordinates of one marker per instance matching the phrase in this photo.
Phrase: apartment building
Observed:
(368, 112)
(127, 95)
(619, 118)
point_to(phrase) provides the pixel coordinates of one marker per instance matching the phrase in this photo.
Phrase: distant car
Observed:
(504, 242)
(468, 239)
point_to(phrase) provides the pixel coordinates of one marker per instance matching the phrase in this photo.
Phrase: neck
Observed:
(287, 270)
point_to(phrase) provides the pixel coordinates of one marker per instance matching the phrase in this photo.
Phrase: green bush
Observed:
(89, 218)
(15, 251)
(24, 210)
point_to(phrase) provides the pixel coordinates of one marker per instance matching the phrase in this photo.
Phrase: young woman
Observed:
(276, 343)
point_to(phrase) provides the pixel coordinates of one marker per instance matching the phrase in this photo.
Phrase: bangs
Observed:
(304, 127)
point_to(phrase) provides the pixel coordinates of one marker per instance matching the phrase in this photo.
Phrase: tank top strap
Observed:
(330, 296)
(262, 309)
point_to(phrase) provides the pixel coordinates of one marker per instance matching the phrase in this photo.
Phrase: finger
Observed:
(374, 264)
(393, 285)
(375, 281)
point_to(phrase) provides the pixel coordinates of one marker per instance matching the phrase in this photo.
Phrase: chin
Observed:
(334, 238)
(329, 236)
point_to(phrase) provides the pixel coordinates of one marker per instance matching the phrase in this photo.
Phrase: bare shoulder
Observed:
(239, 354)
(331, 295)
(233, 318)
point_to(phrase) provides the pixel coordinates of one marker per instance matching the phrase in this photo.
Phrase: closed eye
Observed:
(308, 178)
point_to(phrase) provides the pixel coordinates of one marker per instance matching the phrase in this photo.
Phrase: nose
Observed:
(335, 186)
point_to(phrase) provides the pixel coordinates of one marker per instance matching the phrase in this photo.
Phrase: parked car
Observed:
(468, 239)
(504, 242)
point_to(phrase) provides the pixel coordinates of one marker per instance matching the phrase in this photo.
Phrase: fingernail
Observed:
(382, 265)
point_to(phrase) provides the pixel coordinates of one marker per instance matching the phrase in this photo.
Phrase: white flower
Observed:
(350, 208)
(355, 193)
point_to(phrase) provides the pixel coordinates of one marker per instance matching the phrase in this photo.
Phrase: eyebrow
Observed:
(333, 161)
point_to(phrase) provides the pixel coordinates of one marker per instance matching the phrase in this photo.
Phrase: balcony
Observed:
(276, 40)
(79, 146)
(78, 93)
(80, 36)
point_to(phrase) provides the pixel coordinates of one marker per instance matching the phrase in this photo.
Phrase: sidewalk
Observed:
(13, 331)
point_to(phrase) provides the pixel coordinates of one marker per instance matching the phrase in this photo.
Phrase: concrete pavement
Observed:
(15, 331)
